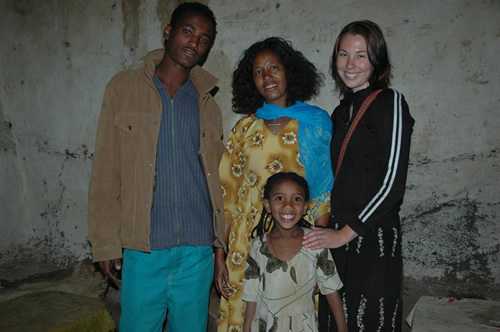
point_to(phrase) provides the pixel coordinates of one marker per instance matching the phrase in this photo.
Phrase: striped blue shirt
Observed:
(182, 212)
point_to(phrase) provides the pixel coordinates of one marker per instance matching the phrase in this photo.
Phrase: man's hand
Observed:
(221, 275)
(108, 266)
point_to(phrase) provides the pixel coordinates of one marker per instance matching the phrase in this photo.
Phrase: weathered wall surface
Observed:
(57, 57)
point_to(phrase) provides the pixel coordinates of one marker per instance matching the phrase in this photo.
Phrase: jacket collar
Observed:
(357, 97)
(202, 79)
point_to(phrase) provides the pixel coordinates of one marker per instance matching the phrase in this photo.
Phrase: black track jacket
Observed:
(369, 189)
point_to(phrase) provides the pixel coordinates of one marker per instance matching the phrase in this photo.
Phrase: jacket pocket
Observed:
(138, 135)
(127, 122)
(129, 128)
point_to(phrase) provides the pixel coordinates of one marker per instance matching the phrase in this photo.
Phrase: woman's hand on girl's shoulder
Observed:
(320, 238)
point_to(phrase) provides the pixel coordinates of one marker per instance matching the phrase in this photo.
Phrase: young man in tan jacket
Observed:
(155, 195)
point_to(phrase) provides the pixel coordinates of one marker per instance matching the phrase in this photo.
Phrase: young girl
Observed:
(281, 274)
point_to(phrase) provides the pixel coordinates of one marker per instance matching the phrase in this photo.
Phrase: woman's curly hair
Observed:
(303, 79)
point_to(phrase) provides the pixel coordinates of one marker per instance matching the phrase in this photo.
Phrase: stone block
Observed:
(55, 312)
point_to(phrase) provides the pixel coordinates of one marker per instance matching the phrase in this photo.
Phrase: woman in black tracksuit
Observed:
(365, 232)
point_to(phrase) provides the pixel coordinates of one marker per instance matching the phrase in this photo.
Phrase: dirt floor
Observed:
(83, 278)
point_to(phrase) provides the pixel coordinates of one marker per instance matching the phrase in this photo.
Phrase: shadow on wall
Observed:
(446, 243)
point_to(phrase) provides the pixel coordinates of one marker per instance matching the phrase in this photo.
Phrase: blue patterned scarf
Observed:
(315, 133)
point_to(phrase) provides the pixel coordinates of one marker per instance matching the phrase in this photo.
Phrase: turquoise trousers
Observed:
(176, 280)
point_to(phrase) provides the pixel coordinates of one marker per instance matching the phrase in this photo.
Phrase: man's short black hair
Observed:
(197, 8)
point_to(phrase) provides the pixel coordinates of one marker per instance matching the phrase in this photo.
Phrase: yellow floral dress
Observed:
(253, 153)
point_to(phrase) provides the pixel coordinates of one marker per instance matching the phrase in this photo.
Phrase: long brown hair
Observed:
(377, 54)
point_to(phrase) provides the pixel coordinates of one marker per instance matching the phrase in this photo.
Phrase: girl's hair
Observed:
(377, 54)
(303, 79)
(266, 219)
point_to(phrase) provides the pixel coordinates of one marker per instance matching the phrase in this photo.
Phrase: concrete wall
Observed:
(57, 56)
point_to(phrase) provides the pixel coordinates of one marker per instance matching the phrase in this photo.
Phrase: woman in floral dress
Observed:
(280, 133)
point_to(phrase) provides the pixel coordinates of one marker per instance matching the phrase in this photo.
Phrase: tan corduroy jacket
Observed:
(123, 168)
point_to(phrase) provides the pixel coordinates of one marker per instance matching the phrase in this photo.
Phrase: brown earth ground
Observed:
(83, 278)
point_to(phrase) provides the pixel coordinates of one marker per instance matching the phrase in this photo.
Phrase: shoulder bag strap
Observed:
(362, 110)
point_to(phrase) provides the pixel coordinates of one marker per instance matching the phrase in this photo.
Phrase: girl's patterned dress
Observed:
(284, 290)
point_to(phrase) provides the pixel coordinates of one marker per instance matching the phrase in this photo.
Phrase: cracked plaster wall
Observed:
(57, 57)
